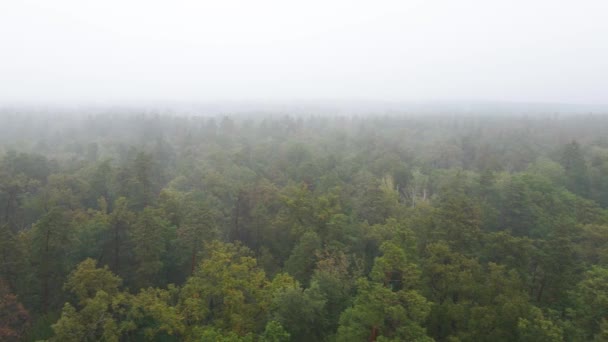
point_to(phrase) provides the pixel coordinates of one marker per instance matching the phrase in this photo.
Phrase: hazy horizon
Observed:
(274, 53)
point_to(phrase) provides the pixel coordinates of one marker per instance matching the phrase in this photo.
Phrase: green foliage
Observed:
(450, 281)
(197, 226)
(380, 311)
(459, 217)
(303, 258)
(154, 314)
(92, 323)
(388, 306)
(307, 228)
(118, 239)
(274, 332)
(150, 235)
(227, 290)
(334, 282)
(591, 301)
(575, 167)
(105, 313)
(87, 279)
(51, 243)
(538, 328)
(300, 312)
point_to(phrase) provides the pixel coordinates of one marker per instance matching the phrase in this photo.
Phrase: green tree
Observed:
(303, 258)
(387, 307)
(121, 221)
(538, 328)
(150, 235)
(92, 323)
(97, 292)
(274, 332)
(378, 312)
(593, 245)
(143, 179)
(104, 313)
(227, 291)
(498, 307)
(300, 312)
(376, 199)
(87, 279)
(334, 282)
(198, 227)
(450, 280)
(12, 257)
(14, 188)
(51, 242)
(577, 173)
(519, 212)
(458, 217)
(591, 301)
(153, 316)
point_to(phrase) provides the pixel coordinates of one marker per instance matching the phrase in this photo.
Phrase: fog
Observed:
(119, 52)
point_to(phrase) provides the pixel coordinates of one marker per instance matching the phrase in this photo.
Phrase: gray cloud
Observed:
(200, 51)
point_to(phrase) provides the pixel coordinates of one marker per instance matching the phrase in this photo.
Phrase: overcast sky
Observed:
(198, 51)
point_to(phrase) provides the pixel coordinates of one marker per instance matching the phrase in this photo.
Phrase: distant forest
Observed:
(150, 227)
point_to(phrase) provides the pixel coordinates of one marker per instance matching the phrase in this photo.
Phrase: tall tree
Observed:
(121, 220)
(198, 227)
(52, 237)
(459, 217)
(591, 303)
(150, 236)
(227, 291)
(577, 173)
(450, 280)
(303, 258)
(387, 307)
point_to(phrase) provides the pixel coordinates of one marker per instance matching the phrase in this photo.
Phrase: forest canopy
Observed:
(145, 226)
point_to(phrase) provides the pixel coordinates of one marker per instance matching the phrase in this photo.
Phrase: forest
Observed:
(152, 226)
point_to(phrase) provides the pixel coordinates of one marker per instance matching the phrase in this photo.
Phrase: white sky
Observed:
(129, 51)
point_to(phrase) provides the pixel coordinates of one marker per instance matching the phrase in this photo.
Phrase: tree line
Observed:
(303, 228)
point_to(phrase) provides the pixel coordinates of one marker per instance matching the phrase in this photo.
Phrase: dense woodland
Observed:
(144, 226)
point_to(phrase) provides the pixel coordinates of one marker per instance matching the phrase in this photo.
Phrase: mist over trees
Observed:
(143, 226)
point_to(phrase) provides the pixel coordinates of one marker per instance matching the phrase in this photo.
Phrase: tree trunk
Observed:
(374, 334)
